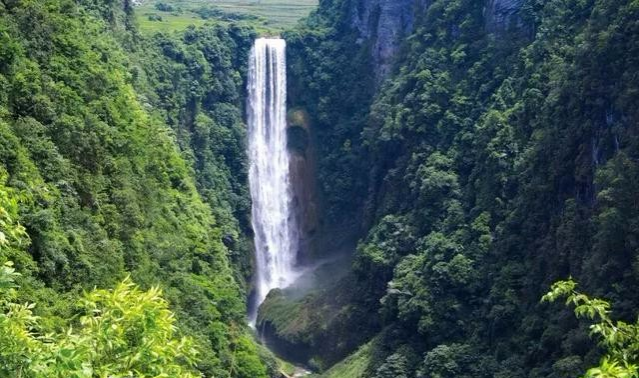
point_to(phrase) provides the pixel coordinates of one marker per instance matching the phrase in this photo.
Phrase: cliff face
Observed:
(503, 15)
(302, 172)
(472, 174)
(386, 23)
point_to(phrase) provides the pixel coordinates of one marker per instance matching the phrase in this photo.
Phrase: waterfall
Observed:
(276, 234)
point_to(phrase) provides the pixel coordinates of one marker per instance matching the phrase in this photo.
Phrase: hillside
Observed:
(480, 151)
(102, 187)
(267, 15)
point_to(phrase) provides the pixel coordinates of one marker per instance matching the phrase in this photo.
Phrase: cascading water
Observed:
(276, 234)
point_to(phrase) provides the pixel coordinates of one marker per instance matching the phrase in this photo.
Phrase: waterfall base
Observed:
(305, 322)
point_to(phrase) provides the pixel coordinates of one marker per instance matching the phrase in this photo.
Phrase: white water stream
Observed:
(276, 234)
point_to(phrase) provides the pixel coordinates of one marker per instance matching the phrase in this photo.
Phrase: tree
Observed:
(395, 366)
(618, 338)
(125, 332)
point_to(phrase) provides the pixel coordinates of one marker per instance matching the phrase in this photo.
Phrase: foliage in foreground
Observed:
(619, 339)
(125, 332)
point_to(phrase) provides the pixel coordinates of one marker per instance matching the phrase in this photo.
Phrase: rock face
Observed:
(302, 174)
(313, 323)
(503, 15)
(385, 23)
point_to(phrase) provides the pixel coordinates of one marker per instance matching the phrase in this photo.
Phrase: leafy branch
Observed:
(620, 339)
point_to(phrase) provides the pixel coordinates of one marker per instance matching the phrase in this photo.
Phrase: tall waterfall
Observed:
(276, 234)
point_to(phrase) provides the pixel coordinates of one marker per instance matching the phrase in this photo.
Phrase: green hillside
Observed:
(96, 185)
(498, 155)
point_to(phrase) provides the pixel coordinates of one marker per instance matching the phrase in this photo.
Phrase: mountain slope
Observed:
(104, 190)
(498, 156)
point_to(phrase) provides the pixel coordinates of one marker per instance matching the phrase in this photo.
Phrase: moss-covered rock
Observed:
(314, 323)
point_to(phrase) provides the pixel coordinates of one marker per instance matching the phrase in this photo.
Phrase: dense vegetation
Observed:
(491, 163)
(104, 188)
(194, 82)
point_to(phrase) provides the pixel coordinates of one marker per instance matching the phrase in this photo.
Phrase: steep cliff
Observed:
(384, 24)
(303, 179)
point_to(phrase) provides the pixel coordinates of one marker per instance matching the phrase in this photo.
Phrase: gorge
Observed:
(386, 190)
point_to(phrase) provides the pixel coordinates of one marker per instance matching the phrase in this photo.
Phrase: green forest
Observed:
(475, 161)
(122, 165)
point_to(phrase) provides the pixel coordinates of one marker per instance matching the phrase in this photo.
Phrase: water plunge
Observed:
(273, 220)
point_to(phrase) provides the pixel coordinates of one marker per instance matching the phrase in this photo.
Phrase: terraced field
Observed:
(273, 15)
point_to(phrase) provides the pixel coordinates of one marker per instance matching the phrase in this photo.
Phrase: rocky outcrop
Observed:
(385, 23)
(313, 322)
(503, 15)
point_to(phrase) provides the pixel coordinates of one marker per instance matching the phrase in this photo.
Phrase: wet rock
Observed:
(302, 173)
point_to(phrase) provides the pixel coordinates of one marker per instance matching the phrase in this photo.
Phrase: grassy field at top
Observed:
(268, 15)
